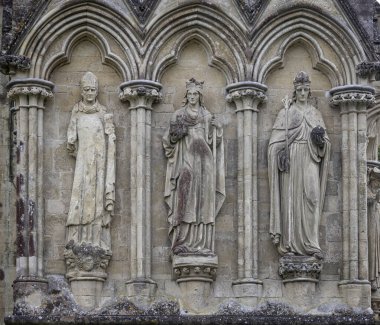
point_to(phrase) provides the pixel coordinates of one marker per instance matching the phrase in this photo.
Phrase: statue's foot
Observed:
(318, 255)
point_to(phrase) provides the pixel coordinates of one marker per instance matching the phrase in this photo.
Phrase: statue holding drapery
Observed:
(195, 177)
(298, 157)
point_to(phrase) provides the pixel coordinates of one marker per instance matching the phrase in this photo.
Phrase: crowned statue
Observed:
(195, 176)
(298, 157)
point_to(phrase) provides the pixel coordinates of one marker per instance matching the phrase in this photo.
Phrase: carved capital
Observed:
(9, 63)
(295, 268)
(140, 93)
(246, 95)
(194, 267)
(366, 68)
(38, 88)
(86, 260)
(354, 94)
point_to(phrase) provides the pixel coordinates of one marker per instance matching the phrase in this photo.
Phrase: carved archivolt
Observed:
(304, 25)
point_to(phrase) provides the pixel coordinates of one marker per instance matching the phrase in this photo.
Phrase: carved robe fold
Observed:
(297, 196)
(87, 205)
(194, 187)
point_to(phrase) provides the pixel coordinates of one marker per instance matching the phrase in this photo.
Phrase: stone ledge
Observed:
(184, 319)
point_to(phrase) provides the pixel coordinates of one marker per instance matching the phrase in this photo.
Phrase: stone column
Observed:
(141, 94)
(247, 96)
(353, 101)
(27, 98)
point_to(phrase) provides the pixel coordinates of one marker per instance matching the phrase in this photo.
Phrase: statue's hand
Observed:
(71, 148)
(276, 239)
(318, 136)
(216, 123)
(283, 160)
(178, 129)
(106, 220)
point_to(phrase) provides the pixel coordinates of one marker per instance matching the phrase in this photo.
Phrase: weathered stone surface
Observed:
(244, 58)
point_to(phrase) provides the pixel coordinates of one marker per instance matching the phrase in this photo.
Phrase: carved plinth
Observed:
(194, 268)
(86, 270)
(300, 269)
(194, 275)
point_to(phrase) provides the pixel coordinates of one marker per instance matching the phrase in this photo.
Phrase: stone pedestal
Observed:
(86, 272)
(300, 275)
(194, 275)
(87, 291)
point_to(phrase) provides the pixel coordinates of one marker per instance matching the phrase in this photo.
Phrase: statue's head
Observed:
(194, 92)
(89, 88)
(301, 87)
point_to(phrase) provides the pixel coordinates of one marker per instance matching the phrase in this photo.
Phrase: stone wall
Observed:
(213, 42)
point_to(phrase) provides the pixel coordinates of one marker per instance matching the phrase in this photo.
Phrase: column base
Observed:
(247, 287)
(194, 275)
(356, 293)
(87, 291)
(30, 289)
(141, 291)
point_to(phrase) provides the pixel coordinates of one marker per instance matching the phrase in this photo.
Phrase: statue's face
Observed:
(302, 93)
(89, 93)
(192, 96)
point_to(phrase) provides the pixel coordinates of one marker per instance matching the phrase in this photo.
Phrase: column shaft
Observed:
(247, 96)
(141, 94)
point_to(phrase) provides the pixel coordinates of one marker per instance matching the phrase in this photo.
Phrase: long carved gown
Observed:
(297, 195)
(86, 129)
(193, 196)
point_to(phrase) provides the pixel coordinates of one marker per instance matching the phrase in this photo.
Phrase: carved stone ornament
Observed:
(9, 63)
(86, 260)
(364, 69)
(295, 268)
(241, 94)
(250, 9)
(142, 9)
(190, 268)
(131, 94)
(29, 90)
(365, 97)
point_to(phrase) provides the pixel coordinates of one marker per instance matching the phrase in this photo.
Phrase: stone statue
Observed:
(91, 139)
(298, 158)
(195, 177)
(373, 203)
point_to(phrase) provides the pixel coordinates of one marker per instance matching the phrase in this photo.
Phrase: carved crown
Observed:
(192, 83)
(302, 78)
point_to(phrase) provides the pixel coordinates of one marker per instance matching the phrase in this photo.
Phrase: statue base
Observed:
(194, 275)
(356, 293)
(300, 274)
(295, 268)
(87, 291)
(86, 271)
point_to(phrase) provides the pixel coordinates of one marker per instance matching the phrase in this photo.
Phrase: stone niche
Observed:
(143, 73)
